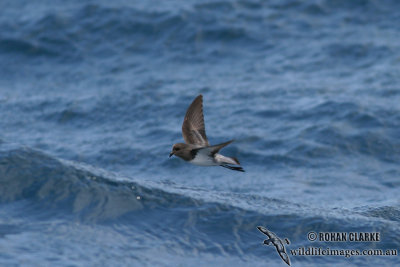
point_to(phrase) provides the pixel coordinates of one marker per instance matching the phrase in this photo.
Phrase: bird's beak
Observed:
(170, 154)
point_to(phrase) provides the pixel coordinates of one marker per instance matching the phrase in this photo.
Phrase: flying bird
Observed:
(277, 242)
(196, 148)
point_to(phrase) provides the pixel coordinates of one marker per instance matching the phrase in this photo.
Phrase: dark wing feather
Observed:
(193, 129)
(265, 231)
(284, 257)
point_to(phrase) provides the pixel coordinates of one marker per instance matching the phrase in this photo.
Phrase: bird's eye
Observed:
(177, 148)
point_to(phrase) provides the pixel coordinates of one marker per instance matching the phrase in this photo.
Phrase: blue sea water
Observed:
(93, 95)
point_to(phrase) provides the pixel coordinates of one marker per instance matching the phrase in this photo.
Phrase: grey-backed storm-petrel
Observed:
(196, 149)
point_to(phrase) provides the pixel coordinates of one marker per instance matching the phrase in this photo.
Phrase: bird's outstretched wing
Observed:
(193, 129)
(266, 232)
(284, 257)
(212, 150)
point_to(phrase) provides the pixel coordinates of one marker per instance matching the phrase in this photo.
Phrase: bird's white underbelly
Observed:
(203, 159)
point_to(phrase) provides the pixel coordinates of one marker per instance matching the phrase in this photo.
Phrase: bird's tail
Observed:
(223, 160)
(226, 160)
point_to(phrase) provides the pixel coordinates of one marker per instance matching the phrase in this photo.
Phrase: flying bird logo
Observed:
(277, 242)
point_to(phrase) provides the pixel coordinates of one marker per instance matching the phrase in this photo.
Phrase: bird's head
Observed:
(177, 149)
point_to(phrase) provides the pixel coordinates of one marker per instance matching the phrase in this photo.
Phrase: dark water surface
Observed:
(93, 95)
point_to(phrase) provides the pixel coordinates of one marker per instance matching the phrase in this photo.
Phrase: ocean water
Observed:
(93, 95)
